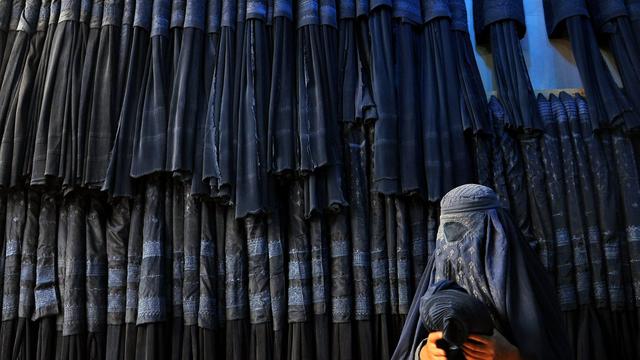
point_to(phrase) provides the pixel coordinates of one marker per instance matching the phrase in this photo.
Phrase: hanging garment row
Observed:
(260, 179)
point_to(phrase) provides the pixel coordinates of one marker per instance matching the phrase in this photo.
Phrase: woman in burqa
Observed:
(480, 248)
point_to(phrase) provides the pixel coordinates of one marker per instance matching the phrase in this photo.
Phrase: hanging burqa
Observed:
(502, 24)
(608, 105)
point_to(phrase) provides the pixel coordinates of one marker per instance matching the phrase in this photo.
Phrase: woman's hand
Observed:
(431, 351)
(496, 347)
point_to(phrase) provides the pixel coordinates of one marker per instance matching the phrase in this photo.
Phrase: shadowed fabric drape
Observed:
(261, 179)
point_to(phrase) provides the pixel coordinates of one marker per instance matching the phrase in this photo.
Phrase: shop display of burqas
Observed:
(260, 179)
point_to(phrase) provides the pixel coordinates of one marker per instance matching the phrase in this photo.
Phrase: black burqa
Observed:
(406, 31)
(446, 156)
(117, 236)
(46, 290)
(124, 48)
(183, 122)
(117, 181)
(508, 278)
(619, 327)
(385, 133)
(151, 129)
(208, 309)
(14, 235)
(15, 12)
(552, 160)
(24, 347)
(96, 277)
(5, 16)
(502, 24)
(473, 102)
(513, 170)
(219, 150)
(102, 111)
(72, 344)
(589, 341)
(614, 26)
(251, 182)
(587, 196)
(608, 105)
(301, 344)
(133, 260)
(151, 322)
(23, 149)
(60, 94)
(17, 85)
(191, 284)
(84, 105)
(281, 141)
(236, 292)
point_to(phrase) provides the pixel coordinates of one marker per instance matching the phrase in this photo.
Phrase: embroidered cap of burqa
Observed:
(608, 105)
(480, 248)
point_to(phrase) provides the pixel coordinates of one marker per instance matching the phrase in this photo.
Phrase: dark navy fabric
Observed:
(604, 11)
(487, 12)
(557, 11)
(432, 9)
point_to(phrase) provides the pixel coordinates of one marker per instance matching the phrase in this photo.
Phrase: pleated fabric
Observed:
(14, 238)
(24, 346)
(14, 11)
(219, 150)
(251, 183)
(117, 236)
(23, 151)
(513, 83)
(151, 129)
(442, 115)
(608, 105)
(47, 293)
(17, 88)
(117, 182)
(103, 110)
